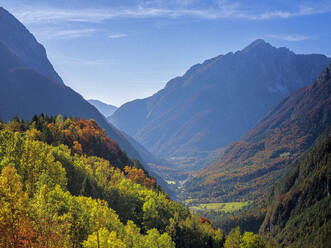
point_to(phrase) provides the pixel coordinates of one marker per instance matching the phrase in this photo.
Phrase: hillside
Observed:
(248, 167)
(25, 92)
(105, 109)
(29, 84)
(55, 195)
(216, 102)
(299, 212)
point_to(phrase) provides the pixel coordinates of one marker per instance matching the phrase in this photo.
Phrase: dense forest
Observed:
(64, 183)
(295, 211)
(299, 205)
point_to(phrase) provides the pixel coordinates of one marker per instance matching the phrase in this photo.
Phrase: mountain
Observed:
(25, 91)
(105, 109)
(18, 39)
(218, 101)
(299, 212)
(249, 167)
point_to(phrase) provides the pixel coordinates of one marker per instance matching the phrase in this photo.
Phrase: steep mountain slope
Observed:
(105, 109)
(218, 101)
(16, 37)
(59, 196)
(299, 214)
(249, 166)
(25, 92)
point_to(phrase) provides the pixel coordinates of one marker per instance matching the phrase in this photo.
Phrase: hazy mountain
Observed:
(248, 167)
(104, 108)
(17, 38)
(218, 101)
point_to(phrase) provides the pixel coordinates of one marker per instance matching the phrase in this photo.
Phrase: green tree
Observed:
(49, 211)
(233, 239)
(103, 238)
(153, 239)
(14, 207)
(251, 240)
(132, 235)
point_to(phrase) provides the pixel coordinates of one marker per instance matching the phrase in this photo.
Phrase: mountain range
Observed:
(247, 168)
(104, 108)
(216, 102)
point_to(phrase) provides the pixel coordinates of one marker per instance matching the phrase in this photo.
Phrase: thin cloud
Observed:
(223, 10)
(292, 38)
(117, 36)
(64, 34)
(302, 11)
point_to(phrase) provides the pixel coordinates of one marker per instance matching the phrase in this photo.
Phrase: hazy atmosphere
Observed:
(118, 51)
(165, 124)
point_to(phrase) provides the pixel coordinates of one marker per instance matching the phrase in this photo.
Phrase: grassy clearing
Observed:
(221, 207)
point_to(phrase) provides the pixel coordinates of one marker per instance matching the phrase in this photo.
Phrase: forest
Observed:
(64, 183)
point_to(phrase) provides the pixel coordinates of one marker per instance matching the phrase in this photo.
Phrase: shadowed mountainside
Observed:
(17, 38)
(300, 204)
(248, 167)
(216, 102)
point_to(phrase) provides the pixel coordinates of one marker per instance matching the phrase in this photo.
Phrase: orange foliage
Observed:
(23, 236)
(138, 176)
(77, 148)
(204, 220)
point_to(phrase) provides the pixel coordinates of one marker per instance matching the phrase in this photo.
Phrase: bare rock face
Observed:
(17, 38)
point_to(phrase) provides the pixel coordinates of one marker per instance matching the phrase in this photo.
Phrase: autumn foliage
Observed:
(64, 183)
(138, 176)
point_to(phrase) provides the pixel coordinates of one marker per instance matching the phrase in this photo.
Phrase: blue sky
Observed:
(117, 51)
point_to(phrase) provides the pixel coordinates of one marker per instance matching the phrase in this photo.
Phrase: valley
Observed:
(234, 152)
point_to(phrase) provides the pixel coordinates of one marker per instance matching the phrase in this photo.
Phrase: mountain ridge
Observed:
(19, 39)
(251, 165)
(199, 111)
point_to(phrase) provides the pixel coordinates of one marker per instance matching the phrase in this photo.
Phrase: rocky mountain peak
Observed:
(258, 44)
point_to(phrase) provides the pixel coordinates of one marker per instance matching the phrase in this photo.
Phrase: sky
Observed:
(118, 51)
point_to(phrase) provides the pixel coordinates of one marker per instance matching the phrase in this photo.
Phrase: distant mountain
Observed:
(299, 212)
(17, 38)
(247, 168)
(25, 91)
(105, 109)
(216, 102)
